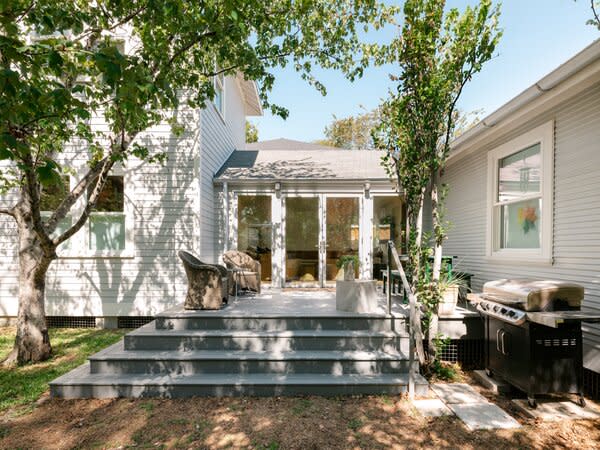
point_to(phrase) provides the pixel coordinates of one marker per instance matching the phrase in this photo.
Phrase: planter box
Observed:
(359, 296)
(449, 301)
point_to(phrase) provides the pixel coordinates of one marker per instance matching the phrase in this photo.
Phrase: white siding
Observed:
(173, 206)
(220, 136)
(576, 242)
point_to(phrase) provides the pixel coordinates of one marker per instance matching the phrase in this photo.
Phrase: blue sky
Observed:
(539, 35)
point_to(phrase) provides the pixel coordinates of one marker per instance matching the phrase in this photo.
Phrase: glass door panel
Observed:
(302, 241)
(342, 233)
(387, 224)
(255, 230)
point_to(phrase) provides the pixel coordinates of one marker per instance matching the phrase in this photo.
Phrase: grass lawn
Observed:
(21, 387)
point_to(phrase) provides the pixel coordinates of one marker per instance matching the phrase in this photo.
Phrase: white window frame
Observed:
(544, 136)
(79, 242)
(219, 84)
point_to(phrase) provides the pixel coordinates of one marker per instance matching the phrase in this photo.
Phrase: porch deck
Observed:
(274, 302)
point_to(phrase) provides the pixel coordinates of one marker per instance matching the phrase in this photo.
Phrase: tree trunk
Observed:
(437, 263)
(32, 342)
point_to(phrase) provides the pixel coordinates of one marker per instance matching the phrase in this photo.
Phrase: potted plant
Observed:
(450, 286)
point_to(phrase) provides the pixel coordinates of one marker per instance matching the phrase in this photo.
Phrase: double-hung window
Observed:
(520, 175)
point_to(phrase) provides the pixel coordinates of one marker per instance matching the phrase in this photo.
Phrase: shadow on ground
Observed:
(270, 423)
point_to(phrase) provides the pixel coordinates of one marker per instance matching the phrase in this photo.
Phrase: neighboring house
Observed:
(124, 261)
(524, 187)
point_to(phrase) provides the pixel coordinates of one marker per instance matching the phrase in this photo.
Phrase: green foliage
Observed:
(353, 132)
(345, 259)
(595, 20)
(437, 54)
(251, 132)
(441, 370)
(64, 62)
(22, 386)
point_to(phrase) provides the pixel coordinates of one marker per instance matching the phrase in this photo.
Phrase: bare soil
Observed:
(370, 422)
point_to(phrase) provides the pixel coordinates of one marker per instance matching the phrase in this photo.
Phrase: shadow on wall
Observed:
(162, 199)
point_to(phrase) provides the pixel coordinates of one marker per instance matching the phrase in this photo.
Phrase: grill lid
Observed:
(535, 295)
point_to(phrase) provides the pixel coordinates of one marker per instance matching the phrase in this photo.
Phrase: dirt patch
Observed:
(373, 422)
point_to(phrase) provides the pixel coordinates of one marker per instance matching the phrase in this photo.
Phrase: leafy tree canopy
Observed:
(251, 132)
(352, 132)
(131, 62)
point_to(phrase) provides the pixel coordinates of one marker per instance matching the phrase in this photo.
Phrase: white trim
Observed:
(79, 247)
(220, 83)
(544, 135)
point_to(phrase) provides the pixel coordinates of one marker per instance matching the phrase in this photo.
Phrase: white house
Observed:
(124, 261)
(299, 208)
(524, 196)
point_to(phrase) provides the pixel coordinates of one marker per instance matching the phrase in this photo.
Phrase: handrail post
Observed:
(389, 278)
(412, 321)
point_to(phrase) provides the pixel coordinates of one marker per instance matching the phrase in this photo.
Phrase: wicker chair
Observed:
(207, 283)
(247, 269)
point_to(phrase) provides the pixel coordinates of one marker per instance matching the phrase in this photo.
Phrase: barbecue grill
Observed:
(533, 335)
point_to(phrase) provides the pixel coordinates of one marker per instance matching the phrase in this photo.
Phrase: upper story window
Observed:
(219, 99)
(520, 176)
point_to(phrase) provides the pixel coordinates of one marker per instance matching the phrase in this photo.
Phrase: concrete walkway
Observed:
(471, 407)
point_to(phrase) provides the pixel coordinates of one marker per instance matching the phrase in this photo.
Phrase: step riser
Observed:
(278, 324)
(333, 367)
(258, 344)
(186, 391)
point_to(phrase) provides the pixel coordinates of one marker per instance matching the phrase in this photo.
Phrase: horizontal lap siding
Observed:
(219, 139)
(163, 200)
(576, 248)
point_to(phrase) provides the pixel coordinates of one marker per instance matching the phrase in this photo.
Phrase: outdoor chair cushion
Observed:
(248, 271)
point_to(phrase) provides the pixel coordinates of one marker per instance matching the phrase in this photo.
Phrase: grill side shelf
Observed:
(556, 318)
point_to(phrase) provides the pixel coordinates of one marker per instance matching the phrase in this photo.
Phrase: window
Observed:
(107, 222)
(50, 198)
(219, 99)
(520, 197)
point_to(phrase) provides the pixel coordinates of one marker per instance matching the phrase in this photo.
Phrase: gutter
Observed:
(584, 58)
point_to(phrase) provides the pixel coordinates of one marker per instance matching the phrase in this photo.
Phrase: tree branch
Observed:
(32, 190)
(8, 212)
(100, 176)
(593, 6)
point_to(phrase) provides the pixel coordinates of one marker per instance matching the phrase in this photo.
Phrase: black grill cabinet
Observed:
(535, 358)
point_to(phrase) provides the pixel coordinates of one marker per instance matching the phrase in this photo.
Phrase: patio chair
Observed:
(247, 270)
(207, 283)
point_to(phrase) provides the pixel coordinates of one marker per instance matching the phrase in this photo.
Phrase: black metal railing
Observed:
(415, 333)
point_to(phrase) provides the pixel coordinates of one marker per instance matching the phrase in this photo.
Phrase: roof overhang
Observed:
(252, 103)
(571, 78)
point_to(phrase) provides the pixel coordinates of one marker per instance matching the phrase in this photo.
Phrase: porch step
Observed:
(203, 320)
(116, 360)
(79, 383)
(148, 338)
(251, 352)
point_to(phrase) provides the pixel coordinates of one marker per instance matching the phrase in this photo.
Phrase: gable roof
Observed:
(298, 163)
(580, 71)
(288, 144)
